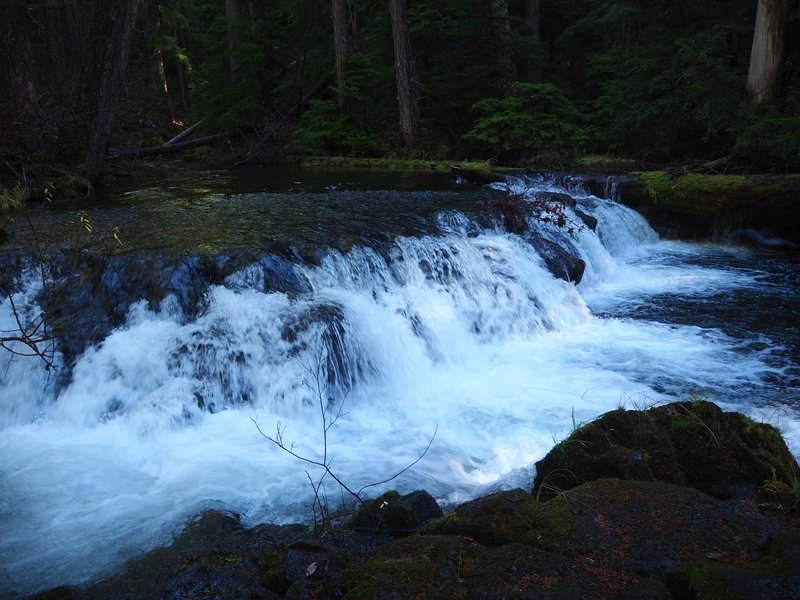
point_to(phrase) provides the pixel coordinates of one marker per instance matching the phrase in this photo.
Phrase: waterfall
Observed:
(465, 332)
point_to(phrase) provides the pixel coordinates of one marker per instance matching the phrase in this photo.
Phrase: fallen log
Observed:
(183, 134)
(168, 148)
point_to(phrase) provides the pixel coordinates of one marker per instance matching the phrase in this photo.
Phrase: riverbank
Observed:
(628, 522)
(763, 209)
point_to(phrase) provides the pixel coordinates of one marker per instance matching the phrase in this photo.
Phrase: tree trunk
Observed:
(341, 43)
(533, 16)
(234, 37)
(112, 34)
(767, 54)
(502, 27)
(408, 92)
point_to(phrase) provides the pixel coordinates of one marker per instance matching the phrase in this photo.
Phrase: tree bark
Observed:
(341, 43)
(408, 92)
(533, 17)
(767, 54)
(505, 63)
(112, 34)
(234, 36)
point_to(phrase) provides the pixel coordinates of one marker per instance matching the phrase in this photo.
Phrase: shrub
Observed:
(534, 122)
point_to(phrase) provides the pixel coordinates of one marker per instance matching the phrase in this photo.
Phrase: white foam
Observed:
(467, 336)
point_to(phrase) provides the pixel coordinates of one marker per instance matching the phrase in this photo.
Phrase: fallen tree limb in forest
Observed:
(176, 145)
(170, 147)
(184, 134)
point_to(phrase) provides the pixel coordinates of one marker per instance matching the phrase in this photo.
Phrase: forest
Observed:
(85, 84)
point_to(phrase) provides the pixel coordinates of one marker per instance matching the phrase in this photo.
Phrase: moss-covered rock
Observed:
(690, 443)
(607, 538)
(494, 520)
(717, 205)
(393, 513)
(773, 573)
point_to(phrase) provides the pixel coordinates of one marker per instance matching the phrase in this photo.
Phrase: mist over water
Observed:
(460, 330)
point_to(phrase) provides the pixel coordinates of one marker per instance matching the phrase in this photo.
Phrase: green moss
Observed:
(404, 577)
(497, 519)
(273, 575)
(693, 193)
(448, 525)
(656, 184)
(709, 203)
(687, 443)
(388, 164)
(605, 161)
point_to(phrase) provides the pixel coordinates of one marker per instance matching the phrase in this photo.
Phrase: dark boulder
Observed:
(690, 443)
(516, 214)
(587, 219)
(396, 514)
(560, 261)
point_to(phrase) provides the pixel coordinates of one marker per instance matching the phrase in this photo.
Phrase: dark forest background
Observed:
(513, 81)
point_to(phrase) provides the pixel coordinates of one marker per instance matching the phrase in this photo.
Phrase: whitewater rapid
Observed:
(462, 337)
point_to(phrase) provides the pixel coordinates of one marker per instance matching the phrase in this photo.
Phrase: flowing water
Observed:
(410, 313)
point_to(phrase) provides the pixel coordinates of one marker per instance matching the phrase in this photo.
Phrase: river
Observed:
(246, 297)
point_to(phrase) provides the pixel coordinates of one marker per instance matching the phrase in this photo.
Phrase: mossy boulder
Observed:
(501, 518)
(607, 538)
(773, 573)
(694, 443)
(396, 514)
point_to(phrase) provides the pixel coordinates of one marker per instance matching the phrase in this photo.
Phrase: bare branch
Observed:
(318, 388)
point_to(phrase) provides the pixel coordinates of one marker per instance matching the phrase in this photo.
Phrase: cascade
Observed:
(463, 330)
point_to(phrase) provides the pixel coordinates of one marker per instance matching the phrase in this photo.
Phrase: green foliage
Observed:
(649, 80)
(537, 120)
(12, 198)
(324, 130)
(770, 140)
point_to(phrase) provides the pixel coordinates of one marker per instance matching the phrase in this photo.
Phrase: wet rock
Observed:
(213, 557)
(557, 197)
(516, 212)
(608, 538)
(587, 219)
(559, 261)
(95, 292)
(397, 514)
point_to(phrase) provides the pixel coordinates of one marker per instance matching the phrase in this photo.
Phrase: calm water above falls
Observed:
(424, 316)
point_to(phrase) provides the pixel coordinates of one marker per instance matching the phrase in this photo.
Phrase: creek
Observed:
(399, 300)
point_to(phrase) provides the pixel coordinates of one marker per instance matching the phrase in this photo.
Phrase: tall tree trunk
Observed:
(341, 43)
(408, 92)
(234, 37)
(505, 63)
(767, 54)
(533, 16)
(112, 34)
